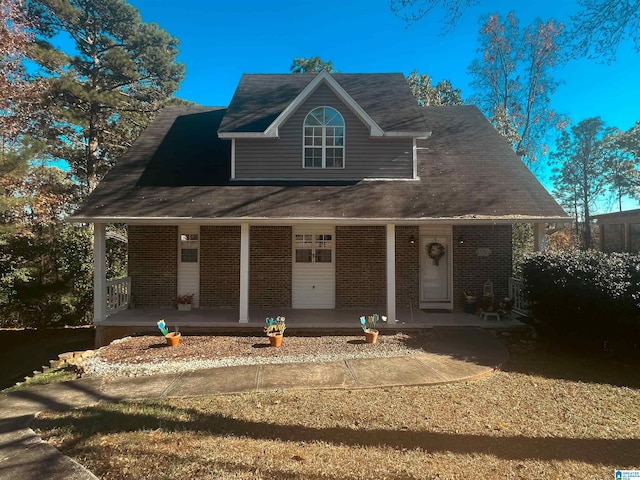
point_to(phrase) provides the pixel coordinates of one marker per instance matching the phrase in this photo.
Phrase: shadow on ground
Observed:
(24, 350)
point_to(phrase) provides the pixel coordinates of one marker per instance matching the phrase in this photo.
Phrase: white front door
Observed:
(189, 263)
(435, 256)
(314, 284)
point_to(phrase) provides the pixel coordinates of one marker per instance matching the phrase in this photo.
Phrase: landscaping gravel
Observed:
(148, 355)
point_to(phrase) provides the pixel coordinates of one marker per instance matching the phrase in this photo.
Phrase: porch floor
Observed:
(303, 319)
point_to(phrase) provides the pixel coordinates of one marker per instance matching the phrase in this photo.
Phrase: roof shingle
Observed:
(178, 168)
(260, 99)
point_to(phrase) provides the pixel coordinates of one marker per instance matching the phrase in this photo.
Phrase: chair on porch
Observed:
(488, 309)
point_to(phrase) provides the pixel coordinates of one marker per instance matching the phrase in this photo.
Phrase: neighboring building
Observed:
(619, 231)
(317, 192)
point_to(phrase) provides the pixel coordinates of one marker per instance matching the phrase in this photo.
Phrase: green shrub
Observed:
(584, 294)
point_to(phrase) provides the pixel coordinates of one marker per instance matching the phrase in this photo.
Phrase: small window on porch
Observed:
(189, 247)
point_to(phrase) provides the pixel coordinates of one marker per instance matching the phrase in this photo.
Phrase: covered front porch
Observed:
(301, 321)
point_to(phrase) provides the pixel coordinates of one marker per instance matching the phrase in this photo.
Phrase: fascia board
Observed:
(417, 135)
(231, 135)
(329, 220)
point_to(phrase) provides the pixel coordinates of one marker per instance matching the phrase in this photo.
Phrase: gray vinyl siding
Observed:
(365, 157)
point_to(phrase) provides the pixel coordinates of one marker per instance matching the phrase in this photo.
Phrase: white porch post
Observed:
(99, 273)
(539, 240)
(391, 272)
(244, 273)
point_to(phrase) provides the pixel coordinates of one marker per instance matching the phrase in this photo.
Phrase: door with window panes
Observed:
(313, 267)
(189, 262)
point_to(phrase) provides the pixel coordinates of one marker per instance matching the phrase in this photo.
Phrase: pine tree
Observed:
(104, 88)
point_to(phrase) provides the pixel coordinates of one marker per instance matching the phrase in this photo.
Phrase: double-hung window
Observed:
(189, 247)
(323, 139)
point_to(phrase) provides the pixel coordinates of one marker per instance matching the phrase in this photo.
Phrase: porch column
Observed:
(539, 240)
(391, 273)
(99, 273)
(244, 273)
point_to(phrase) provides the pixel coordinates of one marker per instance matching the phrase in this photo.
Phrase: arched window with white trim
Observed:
(323, 139)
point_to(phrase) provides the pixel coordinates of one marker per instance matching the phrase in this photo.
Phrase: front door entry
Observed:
(313, 283)
(435, 254)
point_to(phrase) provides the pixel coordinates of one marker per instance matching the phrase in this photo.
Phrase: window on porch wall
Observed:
(189, 243)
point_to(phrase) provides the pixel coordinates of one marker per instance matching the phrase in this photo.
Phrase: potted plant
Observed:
(368, 325)
(470, 301)
(173, 338)
(184, 301)
(274, 329)
(506, 306)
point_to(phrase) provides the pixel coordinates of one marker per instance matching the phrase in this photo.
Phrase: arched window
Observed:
(323, 139)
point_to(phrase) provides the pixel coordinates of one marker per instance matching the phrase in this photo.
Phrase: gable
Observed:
(262, 103)
(324, 79)
(364, 156)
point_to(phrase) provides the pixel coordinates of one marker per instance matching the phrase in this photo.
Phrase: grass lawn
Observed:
(549, 414)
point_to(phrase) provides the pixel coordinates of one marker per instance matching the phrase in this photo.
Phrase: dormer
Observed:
(323, 127)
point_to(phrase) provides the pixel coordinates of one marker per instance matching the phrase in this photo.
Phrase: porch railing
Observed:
(118, 294)
(516, 293)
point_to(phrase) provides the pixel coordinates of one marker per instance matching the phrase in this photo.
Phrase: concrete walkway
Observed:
(461, 354)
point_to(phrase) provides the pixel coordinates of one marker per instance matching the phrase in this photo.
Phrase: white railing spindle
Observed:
(516, 293)
(118, 294)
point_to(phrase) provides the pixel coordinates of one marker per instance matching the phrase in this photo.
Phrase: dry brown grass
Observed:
(549, 414)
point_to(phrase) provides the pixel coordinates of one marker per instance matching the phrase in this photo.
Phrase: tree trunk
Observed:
(92, 152)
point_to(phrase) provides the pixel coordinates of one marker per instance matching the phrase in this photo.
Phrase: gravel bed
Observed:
(148, 355)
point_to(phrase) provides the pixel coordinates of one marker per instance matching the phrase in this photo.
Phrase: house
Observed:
(309, 192)
(619, 231)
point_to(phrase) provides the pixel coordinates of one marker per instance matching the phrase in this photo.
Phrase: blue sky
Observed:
(220, 40)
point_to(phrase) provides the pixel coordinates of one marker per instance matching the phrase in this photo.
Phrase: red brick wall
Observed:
(270, 252)
(471, 271)
(153, 265)
(407, 268)
(220, 266)
(361, 278)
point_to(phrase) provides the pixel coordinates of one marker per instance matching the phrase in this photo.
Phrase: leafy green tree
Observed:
(311, 65)
(580, 173)
(513, 77)
(105, 89)
(426, 94)
(45, 276)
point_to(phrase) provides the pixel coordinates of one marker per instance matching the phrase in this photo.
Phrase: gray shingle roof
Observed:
(259, 99)
(178, 168)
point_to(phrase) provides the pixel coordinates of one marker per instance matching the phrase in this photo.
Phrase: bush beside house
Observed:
(586, 295)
